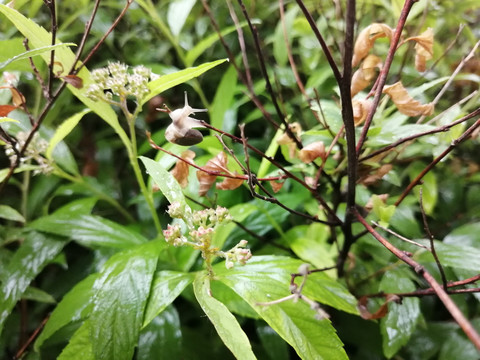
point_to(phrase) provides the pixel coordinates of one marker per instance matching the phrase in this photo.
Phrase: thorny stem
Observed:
(384, 72)
(437, 288)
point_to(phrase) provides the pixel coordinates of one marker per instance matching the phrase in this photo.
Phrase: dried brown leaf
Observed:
(379, 173)
(423, 48)
(405, 103)
(205, 180)
(360, 110)
(381, 312)
(229, 183)
(180, 171)
(74, 80)
(216, 164)
(312, 151)
(6, 109)
(366, 39)
(276, 185)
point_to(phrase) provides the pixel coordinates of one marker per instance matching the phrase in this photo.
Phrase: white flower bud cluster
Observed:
(34, 151)
(237, 254)
(117, 80)
(201, 227)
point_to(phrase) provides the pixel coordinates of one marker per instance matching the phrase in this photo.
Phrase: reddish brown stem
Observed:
(437, 288)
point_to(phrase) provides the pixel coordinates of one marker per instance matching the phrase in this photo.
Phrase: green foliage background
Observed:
(81, 247)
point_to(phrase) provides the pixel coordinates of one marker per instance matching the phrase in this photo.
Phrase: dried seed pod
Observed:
(181, 131)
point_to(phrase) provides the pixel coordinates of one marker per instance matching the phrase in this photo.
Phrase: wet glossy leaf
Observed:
(161, 337)
(401, 320)
(89, 230)
(121, 293)
(267, 278)
(9, 213)
(274, 346)
(166, 287)
(80, 345)
(34, 254)
(225, 323)
(74, 306)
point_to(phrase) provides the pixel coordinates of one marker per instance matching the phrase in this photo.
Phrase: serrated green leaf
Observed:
(166, 287)
(9, 213)
(34, 52)
(121, 293)
(267, 278)
(88, 230)
(72, 307)
(168, 81)
(456, 256)
(225, 323)
(80, 345)
(28, 261)
(401, 320)
(63, 130)
(161, 336)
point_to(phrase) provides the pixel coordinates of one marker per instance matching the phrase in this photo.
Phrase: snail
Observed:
(181, 131)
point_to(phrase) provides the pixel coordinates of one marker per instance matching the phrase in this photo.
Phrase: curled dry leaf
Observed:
(382, 310)
(365, 74)
(276, 185)
(6, 109)
(74, 80)
(423, 49)
(312, 151)
(219, 165)
(229, 183)
(360, 110)
(379, 173)
(287, 140)
(180, 171)
(405, 103)
(366, 39)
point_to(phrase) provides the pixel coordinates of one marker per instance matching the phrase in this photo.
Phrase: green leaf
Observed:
(458, 347)
(401, 320)
(161, 336)
(34, 52)
(80, 346)
(63, 130)
(74, 306)
(465, 235)
(208, 41)
(225, 323)
(177, 14)
(88, 230)
(274, 346)
(6, 119)
(167, 183)
(166, 287)
(267, 278)
(223, 99)
(279, 46)
(456, 256)
(36, 294)
(9, 213)
(39, 37)
(28, 261)
(121, 293)
(168, 81)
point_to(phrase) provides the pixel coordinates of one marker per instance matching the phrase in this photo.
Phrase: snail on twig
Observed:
(181, 131)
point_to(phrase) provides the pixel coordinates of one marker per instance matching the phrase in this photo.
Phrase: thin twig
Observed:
(432, 244)
(439, 129)
(437, 288)
(384, 72)
(430, 166)
(397, 235)
(263, 68)
(103, 38)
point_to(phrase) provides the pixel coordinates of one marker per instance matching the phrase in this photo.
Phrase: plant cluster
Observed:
(337, 176)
